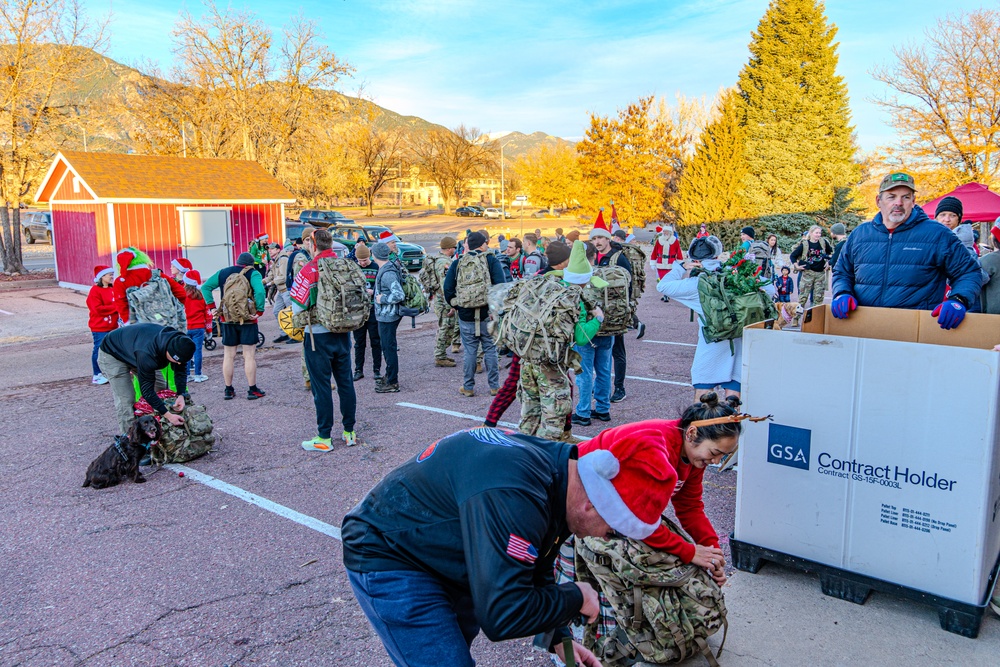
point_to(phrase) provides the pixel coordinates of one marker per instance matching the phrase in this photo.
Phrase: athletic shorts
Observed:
(238, 334)
(732, 385)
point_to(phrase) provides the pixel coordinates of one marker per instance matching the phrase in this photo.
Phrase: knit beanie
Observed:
(182, 264)
(749, 232)
(626, 474)
(193, 278)
(448, 242)
(579, 270)
(245, 259)
(559, 252)
(361, 251)
(574, 235)
(952, 204)
(476, 240)
(838, 228)
(181, 348)
(380, 251)
(100, 271)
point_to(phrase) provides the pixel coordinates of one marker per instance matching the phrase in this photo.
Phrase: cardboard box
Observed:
(884, 454)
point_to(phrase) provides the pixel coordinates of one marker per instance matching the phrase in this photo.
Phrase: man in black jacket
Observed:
(469, 317)
(464, 536)
(142, 350)
(608, 251)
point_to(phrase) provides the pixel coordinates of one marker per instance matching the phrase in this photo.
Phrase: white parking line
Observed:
(259, 501)
(6, 312)
(679, 384)
(462, 415)
(668, 342)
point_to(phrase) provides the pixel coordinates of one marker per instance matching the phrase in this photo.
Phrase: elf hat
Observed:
(182, 264)
(614, 219)
(387, 237)
(100, 271)
(579, 270)
(628, 483)
(600, 229)
(192, 277)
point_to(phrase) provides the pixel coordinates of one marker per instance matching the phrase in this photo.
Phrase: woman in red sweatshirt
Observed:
(103, 314)
(198, 321)
(690, 448)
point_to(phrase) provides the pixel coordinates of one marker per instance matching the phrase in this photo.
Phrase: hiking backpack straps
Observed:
(664, 608)
(539, 323)
(342, 300)
(237, 298)
(154, 302)
(613, 299)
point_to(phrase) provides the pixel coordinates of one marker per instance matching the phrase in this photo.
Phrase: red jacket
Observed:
(103, 309)
(135, 278)
(197, 314)
(686, 497)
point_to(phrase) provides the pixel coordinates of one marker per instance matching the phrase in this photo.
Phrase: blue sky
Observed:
(529, 66)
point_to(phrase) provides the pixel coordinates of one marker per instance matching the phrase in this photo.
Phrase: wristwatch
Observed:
(961, 299)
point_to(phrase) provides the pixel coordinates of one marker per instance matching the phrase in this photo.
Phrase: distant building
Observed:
(416, 191)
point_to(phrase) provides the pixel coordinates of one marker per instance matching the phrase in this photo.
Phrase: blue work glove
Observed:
(842, 306)
(950, 314)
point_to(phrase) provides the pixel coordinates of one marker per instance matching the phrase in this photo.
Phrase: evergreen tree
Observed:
(711, 181)
(799, 147)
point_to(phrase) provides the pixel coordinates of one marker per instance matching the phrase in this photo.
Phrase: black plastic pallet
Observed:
(958, 617)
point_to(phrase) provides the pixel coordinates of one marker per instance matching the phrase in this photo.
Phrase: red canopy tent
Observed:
(978, 203)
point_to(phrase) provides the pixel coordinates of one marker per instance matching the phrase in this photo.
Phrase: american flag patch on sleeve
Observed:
(521, 549)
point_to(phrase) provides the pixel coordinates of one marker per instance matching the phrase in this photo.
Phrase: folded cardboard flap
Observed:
(978, 331)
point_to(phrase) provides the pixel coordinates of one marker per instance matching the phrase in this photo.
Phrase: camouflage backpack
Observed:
(613, 299)
(237, 298)
(154, 303)
(190, 440)
(637, 258)
(342, 300)
(472, 281)
(540, 316)
(724, 314)
(414, 298)
(430, 274)
(495, 300)
(664, 607)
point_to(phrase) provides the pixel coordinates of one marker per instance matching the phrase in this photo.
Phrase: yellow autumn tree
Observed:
(550, 175)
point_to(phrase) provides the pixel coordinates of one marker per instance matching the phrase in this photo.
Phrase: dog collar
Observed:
(118, 448)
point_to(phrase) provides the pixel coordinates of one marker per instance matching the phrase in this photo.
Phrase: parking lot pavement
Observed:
(247, 571)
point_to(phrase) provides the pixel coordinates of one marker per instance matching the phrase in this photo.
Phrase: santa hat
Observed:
(629, 483)
(192, 277)
(579, 270)
(262, 237)
(600, 229)
(100, 271)
(387, 237)
(182, 264)
(614, 219)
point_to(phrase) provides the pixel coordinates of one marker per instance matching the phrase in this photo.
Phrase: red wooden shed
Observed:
(207, 210)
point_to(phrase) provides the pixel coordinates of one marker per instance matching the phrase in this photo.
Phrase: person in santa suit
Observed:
(666, 250)
(135, 268)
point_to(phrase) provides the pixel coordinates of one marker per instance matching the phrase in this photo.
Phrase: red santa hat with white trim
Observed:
(182, 264)
(630, 482)
(123, 259)
(600, 228)
(100, 271)
(614, 219)
(192, 277)
(387, 236)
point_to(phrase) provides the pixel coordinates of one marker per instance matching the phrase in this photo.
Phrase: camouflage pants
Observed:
(813, 284)
(447, 333)
(546, 399)
(302, 358)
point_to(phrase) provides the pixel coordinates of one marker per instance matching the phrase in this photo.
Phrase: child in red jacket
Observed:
(198, 321)
(103, 314)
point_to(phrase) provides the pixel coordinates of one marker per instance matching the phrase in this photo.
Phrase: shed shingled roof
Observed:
(125, 176)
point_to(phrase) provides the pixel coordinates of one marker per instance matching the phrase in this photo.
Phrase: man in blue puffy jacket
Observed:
(903, 259)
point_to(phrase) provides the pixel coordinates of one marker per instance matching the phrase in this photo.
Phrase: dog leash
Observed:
(118, 448)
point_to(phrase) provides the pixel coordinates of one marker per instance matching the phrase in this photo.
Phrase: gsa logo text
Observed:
(788, 446)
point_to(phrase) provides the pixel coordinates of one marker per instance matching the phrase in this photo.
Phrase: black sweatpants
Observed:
(618, 356)
(361, 336)
(332, 357)
(387, 335)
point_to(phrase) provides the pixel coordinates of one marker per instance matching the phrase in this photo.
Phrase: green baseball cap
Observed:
(897, 179)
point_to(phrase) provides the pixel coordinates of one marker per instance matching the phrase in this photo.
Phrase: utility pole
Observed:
(399, 188)
(503, 199)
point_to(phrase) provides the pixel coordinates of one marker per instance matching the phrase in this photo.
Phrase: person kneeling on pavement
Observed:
(142, 350)
(463, 537)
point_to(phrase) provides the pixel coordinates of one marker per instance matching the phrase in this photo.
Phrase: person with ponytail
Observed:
(691, 445)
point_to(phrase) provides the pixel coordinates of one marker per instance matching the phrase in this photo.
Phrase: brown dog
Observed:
(121, 459)
(788, 315)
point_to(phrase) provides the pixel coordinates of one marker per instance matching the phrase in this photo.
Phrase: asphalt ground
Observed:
(175, 572)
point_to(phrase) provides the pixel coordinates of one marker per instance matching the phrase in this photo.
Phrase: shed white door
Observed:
(206, 237)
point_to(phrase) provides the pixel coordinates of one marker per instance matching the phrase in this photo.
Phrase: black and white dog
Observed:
(121, 459)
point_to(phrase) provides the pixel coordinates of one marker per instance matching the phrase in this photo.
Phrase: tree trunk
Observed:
(10, 245)
(370, 213)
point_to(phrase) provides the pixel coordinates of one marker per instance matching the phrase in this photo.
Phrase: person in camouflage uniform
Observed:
(447, 333)
(544, 389)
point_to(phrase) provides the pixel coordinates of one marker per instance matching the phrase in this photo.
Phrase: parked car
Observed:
(465, 212)
(544, 212)
(36, 225)
(478, 209)
(322, 218)
(294, 229)
(411, 255)
(493, 213)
